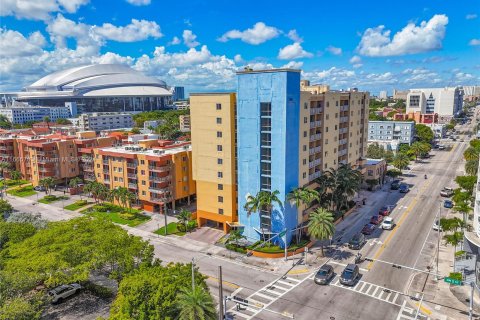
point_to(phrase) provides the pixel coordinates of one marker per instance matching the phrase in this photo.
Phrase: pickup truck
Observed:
(446, 192)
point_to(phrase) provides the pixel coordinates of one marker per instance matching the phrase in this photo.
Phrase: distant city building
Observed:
(439, 129)
(446, 102)
(19, 115)
(97, 88)
(181, 105)
(471, 93)
(383, 95)
(149, 125)
(418, 117)
(184, 123)
(178, 93)
(400, 95)
(103, 121)
(390, 134)
(315, 89)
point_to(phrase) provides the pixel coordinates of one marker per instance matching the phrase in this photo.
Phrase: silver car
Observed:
(64, 291)
(324, 275)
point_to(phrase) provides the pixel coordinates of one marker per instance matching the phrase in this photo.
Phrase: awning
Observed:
(235, 224)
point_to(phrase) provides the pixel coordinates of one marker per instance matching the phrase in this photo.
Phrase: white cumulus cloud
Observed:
(256, 35)
(13, 43)
(334, 50)
(293, 65)
(427, 36)
(189, 39)
(139, 2)
(293, 35)
(174, 41)
(38, 10)
(137, 30)
(293, 51)
(474, 42)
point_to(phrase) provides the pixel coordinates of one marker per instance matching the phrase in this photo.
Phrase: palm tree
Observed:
(471, 154)
(235, 236)
(321, 226)
(183, 217)
(130, 197)
(47, 183)
(74, 183)
(400, 161)
(262, 203)
(419, 148)
(299, 196)
(15, 176)
(350, 181)
(454, 239)
(471, 167)
(463, 208)
(4, 165)
(195, 304)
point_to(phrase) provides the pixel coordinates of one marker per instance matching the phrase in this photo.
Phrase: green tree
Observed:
(153, 292)
(75, 183)
(475, 143)
(321, 226)
(464, 209)
(15, 232)
(471, 167)
(22, 308)
(389, 155)
(5, 123)
(46, 119)
(135, 131)
(63, 121)
(302, 196)
(15, 175)
(4, 166)
(424, 133)
(375, 151)
(471, 154)
(5, 207)
(466, 182)
(454, 239)
(183, 217)
(420, 148)
(47, 183)
(234, 237)
(401, 161)
(195, 304)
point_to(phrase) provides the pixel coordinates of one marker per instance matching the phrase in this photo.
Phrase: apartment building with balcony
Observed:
(390, 134)
(213, 129)
(159, 173)
(8, 152)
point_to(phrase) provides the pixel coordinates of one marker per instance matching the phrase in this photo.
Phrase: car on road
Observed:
(376, 219)
(395, 185)
(388, 223)
(368, 229)
(437, 226)
(384, 211)
(39, 188)
(357, 241)
(462, 140)
(441, 147)
(324, 274)
(62, 292)
(403, 188)
(446, 192)
(448, 204)
(350, 275)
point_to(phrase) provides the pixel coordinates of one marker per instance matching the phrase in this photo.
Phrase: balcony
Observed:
(342, 152)
(132, 186)
(106, 171)
(105, 161)
(88, 168)
(106, 181)
(88, 177)
(131, 165)
(314, 124)
(343, 141)
(316, 110)
(344, 108)
(159, 169)
(159, 179)
(131, 175)
(6, 147)
(158, 189)
(343, 119)
(314, 137)
(41, 153)
(160, 199)
(87, 159)
(43, 169)
(343, 130)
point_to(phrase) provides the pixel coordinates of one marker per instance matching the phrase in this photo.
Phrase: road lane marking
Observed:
(233, 285)
(425, 310)
(374, 294)
(400, 222)
(234, 293)
(284, 283)
(263, 296)
(299, 271)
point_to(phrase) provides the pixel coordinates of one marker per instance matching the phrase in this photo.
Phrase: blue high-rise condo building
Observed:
(268, 107)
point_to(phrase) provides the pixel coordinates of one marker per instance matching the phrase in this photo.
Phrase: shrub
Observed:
(100, 208)
(81, 202)
(50, 198)
(181, 227)
(235, 248)
(98, 290)
(192, 224)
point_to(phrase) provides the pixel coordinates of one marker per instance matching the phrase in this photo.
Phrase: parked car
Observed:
(377, 219)
(324, 275)
(368, 229)
(441, 147)
(357, 241)
(388, 223)
(64, 291)
(446, 192)
(448, 204)
(437, 226)
(403, 188)
(39, 188)
(395, 185)
(384, 211)
(350, 275)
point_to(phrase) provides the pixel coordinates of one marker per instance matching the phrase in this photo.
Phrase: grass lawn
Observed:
(12, 183)
(117, 214)
(52, 198)
(22, 191)
(77, 205)
(171, 229)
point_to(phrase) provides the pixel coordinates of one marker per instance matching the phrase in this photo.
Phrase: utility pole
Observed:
(193, 274)
(165, 215)
(220, 294)
(418, 309)
(438, 237)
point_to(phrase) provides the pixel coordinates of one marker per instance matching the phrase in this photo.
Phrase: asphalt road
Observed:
(382, 290)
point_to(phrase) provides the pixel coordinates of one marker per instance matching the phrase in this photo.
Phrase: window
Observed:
(120, 169)
(326, 129)
(142, 172)
(305, 105)
(370, 173)
(219, 134)
(336, 103)
(304, 148)
(304, 134)
(220, 211)
(336, 115)
(326, 141)
(114, 169)
(304, 161)
(220, 199)
(334, 150)
(335, 127)
(219, 147)
(219, 120)
(304, 175)
(219, 106)
(265, 109)
(220, 174)
(219, 161)
(142, 161)
(220, 186)
(305, 119)
(115, 179)
(327, 117)
(144, 182)
(120, 179)
(326, 153)
(144, 193)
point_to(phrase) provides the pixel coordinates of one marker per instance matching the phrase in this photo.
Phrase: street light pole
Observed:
(193, 274)
(439, 214)
(165, 215)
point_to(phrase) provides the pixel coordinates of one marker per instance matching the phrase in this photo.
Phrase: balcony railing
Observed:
(343, 119)
(314, 137)
(344, 108)
(87, 159)
(132, 175)
(133, 186)
(106, 171)
(343, 130)
(159, 169)
(316, 110)
(131, 165)
(160, 179)
(160, 199)
(88, 168)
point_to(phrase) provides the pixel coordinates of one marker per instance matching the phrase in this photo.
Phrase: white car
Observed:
(388, 223)
(437, 226)
(64, 291)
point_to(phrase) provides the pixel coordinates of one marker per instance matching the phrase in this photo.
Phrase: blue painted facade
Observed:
(279, 89)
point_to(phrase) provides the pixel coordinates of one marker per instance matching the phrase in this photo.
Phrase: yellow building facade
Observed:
(213, 158)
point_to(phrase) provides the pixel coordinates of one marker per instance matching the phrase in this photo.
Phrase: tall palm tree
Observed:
(454, 239)
(463, 208)
(321, 226)
(4, 165)
(195, 304)
(47, 183)
(235, 236)
(183, 217)
(401, 161)
(419, 148)
(471, 154)
(262, 202)
(74, 183)
(130, 197)
(15, 175)
(302, 196)
(471, 167)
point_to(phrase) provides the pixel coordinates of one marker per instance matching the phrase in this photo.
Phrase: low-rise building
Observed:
(375, 170)
(424, 118)
(105, 121)
(400, 94)
(184, 122)
(390, 134)
(23, 114)
(446, 102)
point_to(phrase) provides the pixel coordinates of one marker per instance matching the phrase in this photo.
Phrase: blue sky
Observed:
(372, 45)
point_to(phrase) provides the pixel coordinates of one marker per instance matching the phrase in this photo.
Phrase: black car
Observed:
(350, 275)
(395, 185)
(324, 275)
(357, 242)
(39, 188)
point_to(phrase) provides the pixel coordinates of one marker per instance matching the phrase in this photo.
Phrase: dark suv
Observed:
(357, 241)
(395, 185)
(350, 275)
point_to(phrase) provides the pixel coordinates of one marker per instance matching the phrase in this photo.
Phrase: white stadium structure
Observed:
(97, 88)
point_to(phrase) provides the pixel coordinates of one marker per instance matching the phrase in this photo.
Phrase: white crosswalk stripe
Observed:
(407, 313)
(373, 290)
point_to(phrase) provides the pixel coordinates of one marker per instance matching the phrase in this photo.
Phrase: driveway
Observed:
(206, 235)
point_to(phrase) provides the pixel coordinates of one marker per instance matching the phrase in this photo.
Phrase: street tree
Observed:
(375, 151)
(471, 154)
(195, 304)
(321, 226)
(184, 217)
(75, 183)
(424, 133)
(15, 176)
(234, 237)
(4, 165)
(401, 161)
(471, 167)
(464, 208)
(466, 182)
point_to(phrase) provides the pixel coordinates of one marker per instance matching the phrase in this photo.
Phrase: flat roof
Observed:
(210, 93)
(167, 150)
(269, 71)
